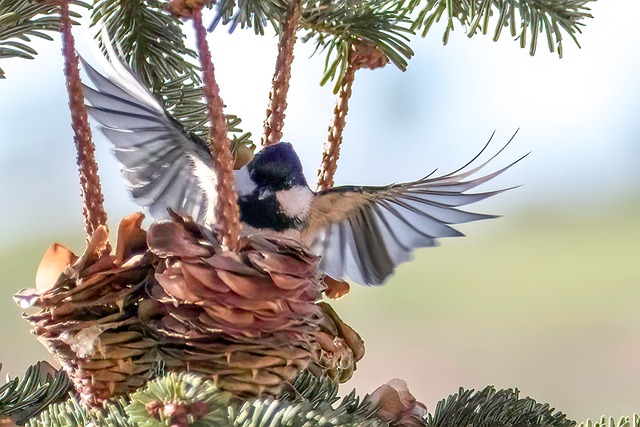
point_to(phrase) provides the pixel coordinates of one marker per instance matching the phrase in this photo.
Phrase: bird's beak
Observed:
(264, 193)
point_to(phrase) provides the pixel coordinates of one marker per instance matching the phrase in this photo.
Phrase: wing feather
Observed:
(363, 233)
(162, 165)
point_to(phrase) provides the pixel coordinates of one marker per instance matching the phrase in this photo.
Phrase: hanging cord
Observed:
(360, 56)
(274, 122)
(227, 213)
(93, 208)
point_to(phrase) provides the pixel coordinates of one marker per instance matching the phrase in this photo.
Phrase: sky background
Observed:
(579, 118)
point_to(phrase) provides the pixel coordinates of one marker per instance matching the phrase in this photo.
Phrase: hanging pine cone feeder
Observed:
(242, 310)
(248, 318)
(87, 312)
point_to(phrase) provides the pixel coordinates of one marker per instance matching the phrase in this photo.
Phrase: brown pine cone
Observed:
(87, 311)
(247, 319)
(340, 347)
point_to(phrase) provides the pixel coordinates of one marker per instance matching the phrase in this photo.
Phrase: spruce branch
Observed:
(152, 42)
(41, 385)
(71, 413)
(525, 18)
(351, 412)
(316, 390)
(150, 38)
(332, 25)
(632, 421)
(179, 400)
(335, 27)
(21, 20)
(488, 407)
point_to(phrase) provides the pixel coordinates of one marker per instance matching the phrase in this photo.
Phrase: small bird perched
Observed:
(361, 233)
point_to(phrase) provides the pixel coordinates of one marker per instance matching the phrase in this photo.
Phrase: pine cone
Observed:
(247, 319)
(340, 347)
(87, 311)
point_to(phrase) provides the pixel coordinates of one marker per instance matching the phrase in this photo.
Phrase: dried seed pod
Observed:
(397, 406)
(87, 311)
(248, 318)
(340, 347)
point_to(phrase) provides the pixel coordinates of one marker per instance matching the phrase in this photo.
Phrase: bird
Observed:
(360, 233)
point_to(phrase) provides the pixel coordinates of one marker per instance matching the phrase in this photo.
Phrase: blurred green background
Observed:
(544, 299)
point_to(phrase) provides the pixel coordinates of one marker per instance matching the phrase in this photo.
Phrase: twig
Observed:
(331, 151)
(227, 213)
(93, 208)
(360, 56)
(274, 122)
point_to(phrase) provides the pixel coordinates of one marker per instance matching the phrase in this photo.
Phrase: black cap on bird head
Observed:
(277, 167)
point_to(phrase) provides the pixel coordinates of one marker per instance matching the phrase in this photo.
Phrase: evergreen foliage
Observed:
(335, 26)
(523, 17)
(21, 20)
(494, 408)
(152, 42)
(633, 421)
(178, 399)
(310, 402)
(21, 399)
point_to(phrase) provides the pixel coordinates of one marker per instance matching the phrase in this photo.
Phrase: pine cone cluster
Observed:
(248, 318)
(87, 311)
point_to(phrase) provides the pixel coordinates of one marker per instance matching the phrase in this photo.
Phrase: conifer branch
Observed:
(332, 25)
(491, 407)
(336, 26)
(41, 385)
(153, 44)
(93, 207)
(632, 421)
(311, 401)
(280, 84)
(21, 20)
(524, 18)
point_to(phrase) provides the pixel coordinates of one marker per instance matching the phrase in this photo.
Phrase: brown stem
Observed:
(361, 55)
(93, 208)
(227, 213)
(332, 146)
(274, 122)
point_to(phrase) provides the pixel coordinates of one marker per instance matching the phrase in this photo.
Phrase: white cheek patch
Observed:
(295, 202)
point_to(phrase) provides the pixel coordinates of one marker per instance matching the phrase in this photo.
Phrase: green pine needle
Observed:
(21, 399)
(336, 26)
(632, 421)
(22, 20)
(176, 399)
(523, 18)
(153, 44)
(494, 408)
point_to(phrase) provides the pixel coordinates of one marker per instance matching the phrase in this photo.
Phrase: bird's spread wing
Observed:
(163, 166)
(364, 232)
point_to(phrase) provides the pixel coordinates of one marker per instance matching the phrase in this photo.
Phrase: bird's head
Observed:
(277, 167)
